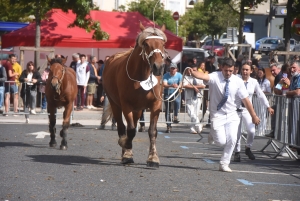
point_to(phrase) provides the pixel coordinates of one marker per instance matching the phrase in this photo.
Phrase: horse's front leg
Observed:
(52, 121)
(65, 126)
(126, 141)
(153, 160)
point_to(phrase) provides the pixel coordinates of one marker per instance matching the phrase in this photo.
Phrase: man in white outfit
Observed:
(223, 88)
(252, 87)
(82, 78)
(193, 98)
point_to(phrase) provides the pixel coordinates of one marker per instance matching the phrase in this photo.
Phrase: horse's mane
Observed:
(121, 54)
(149, 31)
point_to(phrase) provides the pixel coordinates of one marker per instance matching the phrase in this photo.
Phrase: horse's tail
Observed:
(107, 113)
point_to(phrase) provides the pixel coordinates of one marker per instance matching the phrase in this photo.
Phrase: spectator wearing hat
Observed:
(171, 81)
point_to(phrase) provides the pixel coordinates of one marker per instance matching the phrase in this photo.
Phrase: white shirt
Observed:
(216, 92)
(265, 86)
(189, 93)
(29, 77)
(82, 76)
(253, 87)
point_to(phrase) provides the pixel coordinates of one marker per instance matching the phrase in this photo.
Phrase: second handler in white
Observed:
(252, 86)
(223, 88)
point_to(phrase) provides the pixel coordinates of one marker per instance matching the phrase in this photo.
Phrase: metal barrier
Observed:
(286, 123)
(21, 111)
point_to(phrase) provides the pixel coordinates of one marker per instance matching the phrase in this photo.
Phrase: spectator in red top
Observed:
(10, 87)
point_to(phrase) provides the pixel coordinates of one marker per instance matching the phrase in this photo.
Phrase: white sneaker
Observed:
(89, 107)
(93, 107)
(193, 131)
(224, 168)
(27, 121)
(199, 128)
(32, 112)
(210, 139)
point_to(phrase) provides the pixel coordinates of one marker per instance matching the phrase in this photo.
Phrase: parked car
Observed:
(293, 43)
(190, 53)
(257, 43)
(271, 44)
(218, 47)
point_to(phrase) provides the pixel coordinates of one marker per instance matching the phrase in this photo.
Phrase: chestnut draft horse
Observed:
(61, 90)
(122, 78)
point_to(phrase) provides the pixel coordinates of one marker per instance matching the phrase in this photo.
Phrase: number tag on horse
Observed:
(147, 84)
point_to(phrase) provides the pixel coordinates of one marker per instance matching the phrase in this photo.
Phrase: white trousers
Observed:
(224, 132)
(246, 122)
(193, 110)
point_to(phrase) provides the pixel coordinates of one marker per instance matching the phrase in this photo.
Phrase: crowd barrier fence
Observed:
(38, 109)
(284, 123)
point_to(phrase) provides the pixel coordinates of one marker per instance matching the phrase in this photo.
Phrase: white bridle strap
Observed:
(158, 37)
(153, 51)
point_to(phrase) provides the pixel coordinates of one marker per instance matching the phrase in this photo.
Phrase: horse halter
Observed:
(153, 51)
(59, 80)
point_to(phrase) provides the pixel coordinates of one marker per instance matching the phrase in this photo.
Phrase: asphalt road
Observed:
(90, 169)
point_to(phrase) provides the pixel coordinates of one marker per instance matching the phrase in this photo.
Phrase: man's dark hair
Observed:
(82, 55)
(11, 55)
(227, 62)
(220, 60)
(296, 62)
(285, 68)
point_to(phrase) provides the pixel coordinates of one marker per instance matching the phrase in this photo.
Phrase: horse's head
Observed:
(152, 41)
(57, 71)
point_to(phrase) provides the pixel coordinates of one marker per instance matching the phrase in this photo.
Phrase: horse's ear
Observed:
(163, 28)
(142, 26)
(64, 60)
(48, 59)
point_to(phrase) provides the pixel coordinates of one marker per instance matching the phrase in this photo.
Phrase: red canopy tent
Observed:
(122, 27)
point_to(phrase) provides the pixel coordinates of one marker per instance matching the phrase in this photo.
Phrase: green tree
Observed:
(207, 20)
(161, 16)
(19, 10)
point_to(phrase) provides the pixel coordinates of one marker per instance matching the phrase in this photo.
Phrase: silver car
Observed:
(271, 44)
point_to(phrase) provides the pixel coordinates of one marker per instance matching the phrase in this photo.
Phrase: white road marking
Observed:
(40, 134)
(188, 142)
(272, 173)
(207, 154)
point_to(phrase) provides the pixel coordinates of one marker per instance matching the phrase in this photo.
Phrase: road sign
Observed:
(231, 32)
(175, 16)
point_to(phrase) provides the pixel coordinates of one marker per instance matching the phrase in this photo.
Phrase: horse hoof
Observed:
(153, 164)
(52, 144)
(63, 147)
(127, 160)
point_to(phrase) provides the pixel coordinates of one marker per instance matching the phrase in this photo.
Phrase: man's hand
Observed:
(270, 110)
(102, 99)
(34, 81)
(196, 89)
(255, 120)
(286, 81)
